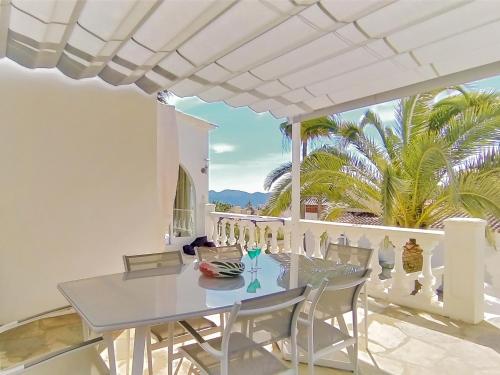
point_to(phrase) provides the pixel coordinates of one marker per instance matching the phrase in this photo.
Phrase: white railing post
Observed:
(262, 235)
(286, 237)
(223, 234)
(317, 242)
(274, 237)
(464, 242)
(426, 277)
(209, 224)
(251, 235)
(374, 283)
(399, 283)
(241, 239)
(232, 238)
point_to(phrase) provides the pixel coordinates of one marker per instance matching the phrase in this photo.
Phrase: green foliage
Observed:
(310, 131)
(222, 206)
(440, 158)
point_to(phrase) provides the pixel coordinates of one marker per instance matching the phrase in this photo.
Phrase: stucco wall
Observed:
(78, 183)
(193, 136)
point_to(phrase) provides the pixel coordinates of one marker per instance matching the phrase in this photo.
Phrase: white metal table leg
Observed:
(110, 343)
(138, 356)
(170, 348)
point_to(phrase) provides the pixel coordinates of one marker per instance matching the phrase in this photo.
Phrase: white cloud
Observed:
(221, 148)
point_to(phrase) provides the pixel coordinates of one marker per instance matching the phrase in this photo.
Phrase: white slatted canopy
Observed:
(295, 58)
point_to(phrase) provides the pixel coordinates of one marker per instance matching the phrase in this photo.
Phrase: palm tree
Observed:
(310, 132)
(164, 96)
(441, 157)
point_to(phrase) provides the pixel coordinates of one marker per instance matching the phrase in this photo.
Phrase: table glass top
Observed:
(155, 296)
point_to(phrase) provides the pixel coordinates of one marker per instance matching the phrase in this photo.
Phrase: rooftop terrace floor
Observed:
(401, 341)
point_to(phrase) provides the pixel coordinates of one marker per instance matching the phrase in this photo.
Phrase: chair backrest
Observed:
(208, 254)
(344, 254)
(151, 261)
(339, 295)
(277, 314)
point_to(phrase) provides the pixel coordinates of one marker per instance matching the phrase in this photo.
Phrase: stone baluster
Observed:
(274, 238)
(374, 283)
(399, 284)
(286, 238)
(241, 239)
(317, 233)
(426, 277)
(332, 238)
(232, 238)
(251, 235)
(262, 235)
(223, 233)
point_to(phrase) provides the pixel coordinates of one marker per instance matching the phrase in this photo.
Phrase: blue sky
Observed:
(247, 145)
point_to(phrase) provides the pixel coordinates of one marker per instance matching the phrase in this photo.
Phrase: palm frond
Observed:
(276, 174)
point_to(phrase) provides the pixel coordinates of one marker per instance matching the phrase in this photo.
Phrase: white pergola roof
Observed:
(295, 58)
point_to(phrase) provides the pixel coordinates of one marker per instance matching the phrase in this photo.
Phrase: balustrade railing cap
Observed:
(465, 221)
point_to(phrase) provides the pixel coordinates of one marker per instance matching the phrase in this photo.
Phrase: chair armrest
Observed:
(201, 341)
(192, 331)
(46, 314)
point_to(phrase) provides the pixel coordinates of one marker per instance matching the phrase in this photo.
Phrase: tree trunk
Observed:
(304, 149)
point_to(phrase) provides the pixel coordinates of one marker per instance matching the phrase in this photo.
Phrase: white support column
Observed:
(464, 242)
(295, 224)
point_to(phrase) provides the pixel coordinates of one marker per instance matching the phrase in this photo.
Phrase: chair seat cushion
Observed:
(245, 357)
(161, 331)
(325, 335)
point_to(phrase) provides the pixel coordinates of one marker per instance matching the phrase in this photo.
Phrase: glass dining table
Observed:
(140, 299)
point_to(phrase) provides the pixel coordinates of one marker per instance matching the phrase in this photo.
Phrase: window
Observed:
(184, 206)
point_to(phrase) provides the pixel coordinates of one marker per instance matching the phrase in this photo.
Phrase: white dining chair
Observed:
(208, 254)
(79, 358)
(345, 254)
(160, 332)
(333, 299)
(235, 352)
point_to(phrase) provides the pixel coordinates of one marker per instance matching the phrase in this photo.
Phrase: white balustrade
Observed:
(399, 288)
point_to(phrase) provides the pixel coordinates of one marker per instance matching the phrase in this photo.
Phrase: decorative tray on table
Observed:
(222, 269)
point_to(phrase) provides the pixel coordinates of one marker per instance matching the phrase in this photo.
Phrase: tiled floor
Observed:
(402, 341)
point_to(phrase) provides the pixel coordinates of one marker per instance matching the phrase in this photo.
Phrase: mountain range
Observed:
(238, 197)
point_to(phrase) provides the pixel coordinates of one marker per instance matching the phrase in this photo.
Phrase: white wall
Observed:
(78, 183)
(193, 136)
